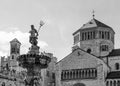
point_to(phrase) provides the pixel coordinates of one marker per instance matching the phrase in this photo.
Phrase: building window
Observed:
(88, 35)
(104, 48)
(89, 50)
(3, 84)
(62, 75)
(91, 37)
(100, 34)
(47, 74)
(93, 34)
(107, 83)
(111, 83)
(79, 74)
(117, 66)
(76, 38)
(114, 83)
(85, 36)
(18, 51)
(53, 75)
(12, 50)
(103, 35)
(118, 83)
(12, 56)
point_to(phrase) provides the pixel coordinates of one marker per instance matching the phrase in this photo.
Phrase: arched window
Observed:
(94, 35)
(70, 74)
(118, 83)
(92, 73)
(77, 74)
(89, 73)
(117, 66)
(62, 75)
(73, 74)
(80, 73)
(103, 35)
(107, 83)
(91, 35)
(95, 73)
(110, 83)
(114, 83)
(3, 84)
(88, 35)
(100, 35)
(67, 74)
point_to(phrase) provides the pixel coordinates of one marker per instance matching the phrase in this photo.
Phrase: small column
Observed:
(72, 75)
(75, 74)
(81, 74)
(78, 74)
(68, 74)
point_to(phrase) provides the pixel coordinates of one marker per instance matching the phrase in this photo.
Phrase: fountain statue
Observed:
(33, 61)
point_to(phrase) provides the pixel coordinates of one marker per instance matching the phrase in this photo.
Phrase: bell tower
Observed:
(14, 53)
(95, 37)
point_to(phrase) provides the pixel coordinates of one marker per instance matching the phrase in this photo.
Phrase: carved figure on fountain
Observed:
(33, 36)
(33, 40)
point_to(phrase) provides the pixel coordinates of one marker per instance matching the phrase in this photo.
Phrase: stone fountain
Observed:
(33, 61)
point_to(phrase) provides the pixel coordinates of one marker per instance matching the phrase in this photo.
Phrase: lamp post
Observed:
(33, 61)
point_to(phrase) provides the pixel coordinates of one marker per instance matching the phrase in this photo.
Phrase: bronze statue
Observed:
(33, 36)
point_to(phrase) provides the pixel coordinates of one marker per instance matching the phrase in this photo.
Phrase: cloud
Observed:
(42, 44)
(23, 37)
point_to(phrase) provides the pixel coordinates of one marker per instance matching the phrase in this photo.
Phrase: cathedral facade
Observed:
(93, 60)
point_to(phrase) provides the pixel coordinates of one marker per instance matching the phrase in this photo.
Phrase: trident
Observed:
(41, 24)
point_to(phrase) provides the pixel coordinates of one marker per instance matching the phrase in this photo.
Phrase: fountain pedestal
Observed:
(34, 50)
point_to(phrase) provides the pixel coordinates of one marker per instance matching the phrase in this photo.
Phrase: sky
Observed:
(61, 18)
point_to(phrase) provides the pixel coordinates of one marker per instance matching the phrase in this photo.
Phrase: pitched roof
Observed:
(93, 24)
(113, 75)
(15, 40)
(74, 51)
(115, 52)
(100, 24)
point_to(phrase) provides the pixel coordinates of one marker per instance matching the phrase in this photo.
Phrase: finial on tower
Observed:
(93, 12)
